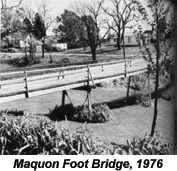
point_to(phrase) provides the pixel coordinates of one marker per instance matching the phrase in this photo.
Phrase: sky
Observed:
(57, 7)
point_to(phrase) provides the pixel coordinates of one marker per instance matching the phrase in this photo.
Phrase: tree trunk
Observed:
(43, 44)
(157, 79)
(30, 52)
(118, 41)
(94, 54)
(124, 55)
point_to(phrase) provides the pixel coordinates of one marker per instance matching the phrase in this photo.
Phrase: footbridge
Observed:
(21, 84)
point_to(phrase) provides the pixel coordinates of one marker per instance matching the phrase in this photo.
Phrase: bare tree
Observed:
(90, 23)
(27, 14)
(121, 13)
(44, 12)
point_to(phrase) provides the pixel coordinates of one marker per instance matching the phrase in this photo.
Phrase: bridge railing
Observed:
(24, 84)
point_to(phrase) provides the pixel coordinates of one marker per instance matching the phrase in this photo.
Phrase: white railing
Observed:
(25, 84)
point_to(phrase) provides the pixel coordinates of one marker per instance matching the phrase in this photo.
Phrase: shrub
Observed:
(38, 135)
(103, 84)
(142, 100)
(99, 114)
(147, 146)
(59, 113)
(168, 94)
(74, 45)
(31, 134)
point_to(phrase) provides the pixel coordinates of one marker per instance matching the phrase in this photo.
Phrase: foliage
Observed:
(147, 146)
(60, 113)
(21, 62)
(68, 26)
(140, 87)
(9, 23)
(39, 27)
(99, 114)
(32, 134)
(37, 135)
(168, 94)
(74, 45)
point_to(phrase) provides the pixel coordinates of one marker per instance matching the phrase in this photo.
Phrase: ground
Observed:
(125, 122)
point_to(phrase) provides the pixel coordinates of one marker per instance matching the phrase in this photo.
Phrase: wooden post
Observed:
(89, 99)
(149, 88)
(90, 76)
(89, 92)
(26, 84)
(63, 98)
(128, 88)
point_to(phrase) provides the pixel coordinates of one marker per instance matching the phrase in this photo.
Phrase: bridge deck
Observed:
(25, 84)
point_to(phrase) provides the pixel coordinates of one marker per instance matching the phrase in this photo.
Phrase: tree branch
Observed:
(3, 7)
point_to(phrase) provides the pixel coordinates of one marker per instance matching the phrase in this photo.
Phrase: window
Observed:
(129, 39)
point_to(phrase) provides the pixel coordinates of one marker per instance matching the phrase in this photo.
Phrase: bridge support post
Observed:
(89, 98)
(89, 88)
(128, 88)
(26, 84)
(64, 93)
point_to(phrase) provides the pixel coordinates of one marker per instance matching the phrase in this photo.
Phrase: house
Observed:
(54, 41)
(28, 39)
(130, 39)
(113, 40)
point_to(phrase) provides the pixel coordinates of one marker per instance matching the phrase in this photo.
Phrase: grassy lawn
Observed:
(124, 124)
(131, 121)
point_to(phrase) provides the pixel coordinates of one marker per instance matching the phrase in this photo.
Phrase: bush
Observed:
(99, 114)
(31, 134)
(168, 94)
(61, 113)
(147, 146)
(38, 135)
(74, 45)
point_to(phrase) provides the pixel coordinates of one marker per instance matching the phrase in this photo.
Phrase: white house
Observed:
(30, 39)
(54, 40)
(130, 39)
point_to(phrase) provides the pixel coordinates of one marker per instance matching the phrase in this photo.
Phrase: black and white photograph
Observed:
(88, 77)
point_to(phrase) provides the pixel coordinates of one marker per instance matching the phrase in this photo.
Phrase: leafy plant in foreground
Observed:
(30, 134)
